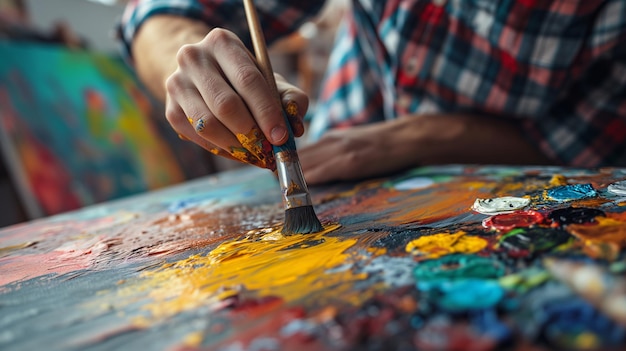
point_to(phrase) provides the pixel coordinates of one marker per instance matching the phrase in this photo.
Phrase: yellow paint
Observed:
(290, 267)
(257, 145)
(193, 339)
(558, 180)
(434, 246)
(292, 109)
(8, 249)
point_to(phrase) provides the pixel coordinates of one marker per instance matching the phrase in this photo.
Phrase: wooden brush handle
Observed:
(264, 64)
(260, 48)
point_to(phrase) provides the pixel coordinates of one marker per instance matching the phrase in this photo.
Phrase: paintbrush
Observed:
(606, 291)
(300, 216)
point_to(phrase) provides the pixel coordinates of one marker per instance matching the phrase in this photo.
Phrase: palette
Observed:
(403, 263)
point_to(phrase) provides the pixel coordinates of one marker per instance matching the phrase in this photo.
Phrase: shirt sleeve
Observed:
(586, 127)
(278, 18)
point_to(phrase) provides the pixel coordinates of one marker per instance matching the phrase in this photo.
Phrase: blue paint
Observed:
(463, 295)
(567, 319)
(486, 322)
(571, 192)
(451, 267)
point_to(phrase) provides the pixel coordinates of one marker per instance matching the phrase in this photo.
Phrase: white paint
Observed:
(618, 188)
(414, 183)
(500, 204)
(394, 271)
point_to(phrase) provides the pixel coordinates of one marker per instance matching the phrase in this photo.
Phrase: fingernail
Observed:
(278, 134)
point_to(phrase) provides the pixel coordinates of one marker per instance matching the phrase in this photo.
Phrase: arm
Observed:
(156, 44)
(386, 147)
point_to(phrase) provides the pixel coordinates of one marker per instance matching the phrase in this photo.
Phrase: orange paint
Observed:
(604, 240)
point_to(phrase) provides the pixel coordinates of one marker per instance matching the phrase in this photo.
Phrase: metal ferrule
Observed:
(292, 184)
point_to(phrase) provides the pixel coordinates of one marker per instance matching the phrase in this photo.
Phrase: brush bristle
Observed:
(301, 220)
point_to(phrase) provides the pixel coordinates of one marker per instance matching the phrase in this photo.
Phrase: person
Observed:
(409, 82)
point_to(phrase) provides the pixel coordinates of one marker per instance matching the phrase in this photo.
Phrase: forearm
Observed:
(470, 139)
(156, 44)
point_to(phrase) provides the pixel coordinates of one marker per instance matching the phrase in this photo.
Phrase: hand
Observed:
(219, 99)
(386, 147)
(357, 153)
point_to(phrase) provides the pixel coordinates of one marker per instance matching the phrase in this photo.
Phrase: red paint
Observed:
(517, 219)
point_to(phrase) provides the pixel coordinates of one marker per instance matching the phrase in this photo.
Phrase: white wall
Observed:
(93, 21)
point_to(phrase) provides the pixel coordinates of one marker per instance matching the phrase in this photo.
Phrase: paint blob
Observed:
(437, 245)
(466, 294)
(517, 219)
(571, 192)
(457, 267)
(576, 215)
(497, 205)
(618, 188)
(532, 240)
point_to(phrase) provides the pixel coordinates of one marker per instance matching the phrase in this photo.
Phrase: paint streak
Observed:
(290, 267)
(4, 251)
(434, 246)
(414, 183)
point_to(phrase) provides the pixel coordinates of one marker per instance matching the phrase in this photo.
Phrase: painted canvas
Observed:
(436, 258)
(77, 129)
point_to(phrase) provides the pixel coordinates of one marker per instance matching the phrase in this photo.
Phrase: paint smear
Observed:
(435, 246)
(604, 240)
(414, 183)
(290, 267)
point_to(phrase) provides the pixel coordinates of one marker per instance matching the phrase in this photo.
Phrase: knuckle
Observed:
(218, 37)
(188, 53)
(226, 103)
(173, 84)
(248, 77)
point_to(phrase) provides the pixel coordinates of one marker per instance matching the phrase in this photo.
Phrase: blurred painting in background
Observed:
(76, 129)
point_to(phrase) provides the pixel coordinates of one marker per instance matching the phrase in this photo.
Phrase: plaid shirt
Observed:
(559, 66)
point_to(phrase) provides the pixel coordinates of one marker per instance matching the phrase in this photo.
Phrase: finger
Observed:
(177, 119)
(295, 102)
(248, 83)
(226, 104)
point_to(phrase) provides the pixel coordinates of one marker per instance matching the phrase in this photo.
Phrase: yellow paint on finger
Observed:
(257, 145)
(437, 245)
